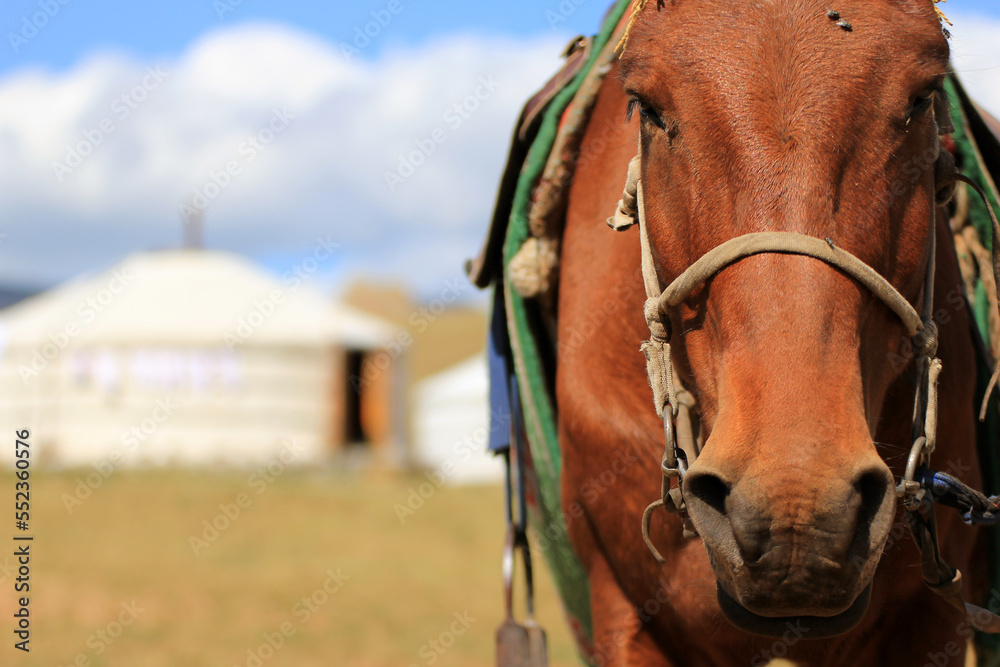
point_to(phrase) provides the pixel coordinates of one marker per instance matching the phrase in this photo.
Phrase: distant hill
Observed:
(11, 295)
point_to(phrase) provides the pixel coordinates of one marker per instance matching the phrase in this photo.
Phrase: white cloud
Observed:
(311, 135)
(324, 171)
(975, 49)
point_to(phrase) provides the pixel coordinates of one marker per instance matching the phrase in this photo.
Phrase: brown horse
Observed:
(767, 115)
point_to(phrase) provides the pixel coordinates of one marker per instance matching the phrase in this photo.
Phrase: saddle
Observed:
(486, 267)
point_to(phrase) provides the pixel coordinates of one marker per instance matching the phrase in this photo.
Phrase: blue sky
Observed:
(146, 29)
(149, 30)
(180, 86)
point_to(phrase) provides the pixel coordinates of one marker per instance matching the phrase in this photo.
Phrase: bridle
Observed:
(676, 406)
(920, 327)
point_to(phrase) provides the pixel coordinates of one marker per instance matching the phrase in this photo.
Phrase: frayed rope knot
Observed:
(925, 342)
(658, 322)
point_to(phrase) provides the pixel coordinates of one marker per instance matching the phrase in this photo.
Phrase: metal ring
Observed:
(669, 441)
(909, 491)
(916, 453)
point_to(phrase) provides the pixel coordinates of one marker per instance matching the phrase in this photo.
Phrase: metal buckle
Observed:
(909, 490)
(519, 644)
(673, 465)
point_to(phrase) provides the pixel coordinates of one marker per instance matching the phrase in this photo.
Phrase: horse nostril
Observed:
(706, 495)
(709, 489)
(872, 485)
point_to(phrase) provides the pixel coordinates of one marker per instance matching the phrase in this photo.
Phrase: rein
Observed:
(919, 486)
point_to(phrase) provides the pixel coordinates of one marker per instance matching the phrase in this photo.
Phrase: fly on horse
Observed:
(792, 257)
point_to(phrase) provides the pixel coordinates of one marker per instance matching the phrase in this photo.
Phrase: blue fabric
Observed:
(498, 356)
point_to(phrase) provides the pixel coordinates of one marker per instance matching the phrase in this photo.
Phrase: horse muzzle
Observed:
(791, 545)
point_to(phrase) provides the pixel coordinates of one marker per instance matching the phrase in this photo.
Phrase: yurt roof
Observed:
(193, 297)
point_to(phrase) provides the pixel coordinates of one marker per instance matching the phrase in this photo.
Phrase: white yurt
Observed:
(191, 357)
(452, 425)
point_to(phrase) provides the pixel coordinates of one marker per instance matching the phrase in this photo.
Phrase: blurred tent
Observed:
(446, 377)
(193, 357)
(452, 423)
(443, 334)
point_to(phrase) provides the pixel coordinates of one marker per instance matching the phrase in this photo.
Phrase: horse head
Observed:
(790, 117)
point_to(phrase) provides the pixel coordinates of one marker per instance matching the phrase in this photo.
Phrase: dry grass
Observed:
(129, 541)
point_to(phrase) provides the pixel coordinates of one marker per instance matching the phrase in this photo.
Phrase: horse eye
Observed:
(921, 103)
(645, 111)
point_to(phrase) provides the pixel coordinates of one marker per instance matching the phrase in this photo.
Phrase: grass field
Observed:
(117, 581)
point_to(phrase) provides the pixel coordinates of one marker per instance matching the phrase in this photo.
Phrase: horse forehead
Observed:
(746, 15)
(775, 77)
(777, 41)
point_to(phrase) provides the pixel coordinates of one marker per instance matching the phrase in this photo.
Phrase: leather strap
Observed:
(741, 247)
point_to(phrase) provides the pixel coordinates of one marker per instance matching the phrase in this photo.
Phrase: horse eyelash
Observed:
(633, 104)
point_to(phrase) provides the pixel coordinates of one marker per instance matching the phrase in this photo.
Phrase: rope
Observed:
(996, 278)
(637, 7)
(799, 244)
